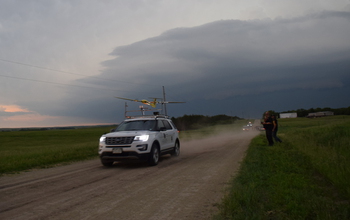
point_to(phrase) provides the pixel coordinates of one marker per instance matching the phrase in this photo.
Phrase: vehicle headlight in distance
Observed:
(141, 138)
(102, 139)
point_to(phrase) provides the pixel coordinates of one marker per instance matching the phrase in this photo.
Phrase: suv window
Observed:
(160, 124)
(137, 125)
(164, 124)
(172, 123)
(167, 125)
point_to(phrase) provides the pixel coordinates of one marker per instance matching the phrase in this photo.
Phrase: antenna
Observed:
(142, 110)
(164, 102)
(125, 112)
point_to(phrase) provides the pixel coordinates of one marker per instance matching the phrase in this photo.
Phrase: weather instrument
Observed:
(147, 102)
(153, 103)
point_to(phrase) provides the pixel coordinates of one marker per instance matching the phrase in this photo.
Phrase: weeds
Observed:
(305, 177)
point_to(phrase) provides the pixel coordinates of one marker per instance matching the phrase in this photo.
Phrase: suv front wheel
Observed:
(154, 155)
(107, 163)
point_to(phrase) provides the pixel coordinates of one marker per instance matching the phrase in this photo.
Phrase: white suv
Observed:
(145, 138)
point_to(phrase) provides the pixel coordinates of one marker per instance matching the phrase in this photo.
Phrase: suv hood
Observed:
(126, 133)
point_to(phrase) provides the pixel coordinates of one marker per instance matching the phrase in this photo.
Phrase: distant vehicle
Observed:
(246, 128)
(144, 138)
(260, 128)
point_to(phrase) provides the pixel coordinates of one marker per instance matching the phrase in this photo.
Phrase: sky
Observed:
(63, 62)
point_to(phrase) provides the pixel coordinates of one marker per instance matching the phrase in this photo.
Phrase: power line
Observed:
(55, 83)
(77, 74)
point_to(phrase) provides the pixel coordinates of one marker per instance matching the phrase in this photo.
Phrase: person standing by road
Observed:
(275, 128)
(268, 125)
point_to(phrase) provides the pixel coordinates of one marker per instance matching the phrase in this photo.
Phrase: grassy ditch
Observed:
(305, 177)
(24, 150)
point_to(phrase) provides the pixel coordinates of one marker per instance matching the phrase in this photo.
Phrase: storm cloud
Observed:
(226, 59)
(64, 62)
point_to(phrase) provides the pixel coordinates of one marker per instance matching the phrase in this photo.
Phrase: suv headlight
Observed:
(102, 139)
(141, 138)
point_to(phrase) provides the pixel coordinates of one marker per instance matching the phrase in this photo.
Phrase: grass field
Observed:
(305, 177)
(24, 150)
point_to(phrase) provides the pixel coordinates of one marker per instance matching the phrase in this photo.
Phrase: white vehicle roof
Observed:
(147, 117)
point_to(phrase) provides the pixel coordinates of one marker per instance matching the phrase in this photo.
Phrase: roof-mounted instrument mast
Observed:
(164, 102)
(150, 103)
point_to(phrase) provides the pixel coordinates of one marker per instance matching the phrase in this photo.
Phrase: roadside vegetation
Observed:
(24, 150)
(305, 177)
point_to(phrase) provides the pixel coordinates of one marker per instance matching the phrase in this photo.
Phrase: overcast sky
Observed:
(63, 62)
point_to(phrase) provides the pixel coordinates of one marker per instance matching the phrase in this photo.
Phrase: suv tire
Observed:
(154, 155)
(176, 151)
(107, 163)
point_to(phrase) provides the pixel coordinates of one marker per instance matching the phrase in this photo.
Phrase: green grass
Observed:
(305, 177)
(24, 150)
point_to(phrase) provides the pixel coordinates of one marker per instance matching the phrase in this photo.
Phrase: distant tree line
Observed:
(188, 122)
(304, 112)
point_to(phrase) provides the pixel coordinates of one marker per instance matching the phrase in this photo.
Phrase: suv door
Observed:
(162, 134)
(165, 130)
(170, 134)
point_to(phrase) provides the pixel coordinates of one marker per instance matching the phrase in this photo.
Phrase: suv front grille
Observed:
(119, 140)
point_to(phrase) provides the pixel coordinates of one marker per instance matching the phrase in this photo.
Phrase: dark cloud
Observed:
(231, 67)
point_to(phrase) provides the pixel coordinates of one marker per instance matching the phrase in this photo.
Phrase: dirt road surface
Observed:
(184, 187)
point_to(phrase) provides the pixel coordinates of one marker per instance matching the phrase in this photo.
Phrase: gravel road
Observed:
(184, 187)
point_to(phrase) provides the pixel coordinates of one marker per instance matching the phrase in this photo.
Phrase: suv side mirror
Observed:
(113, 130)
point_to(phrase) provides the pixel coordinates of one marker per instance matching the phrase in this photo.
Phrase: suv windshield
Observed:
(149, 125)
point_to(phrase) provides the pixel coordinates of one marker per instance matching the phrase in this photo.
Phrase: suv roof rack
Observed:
(147, 116)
